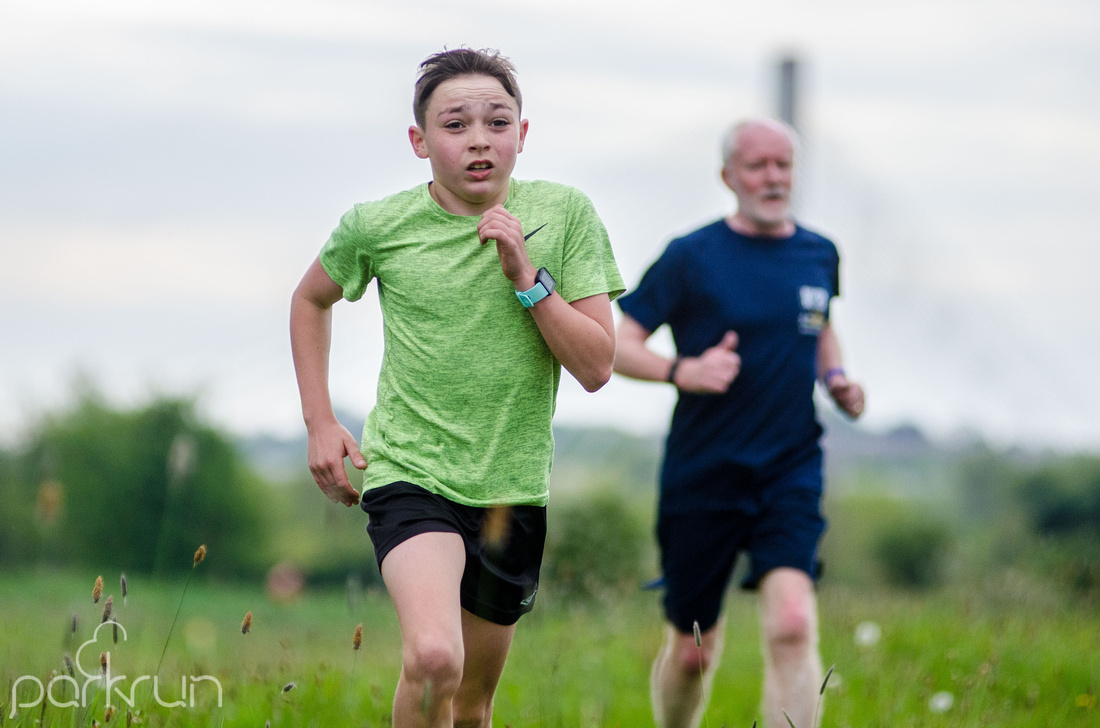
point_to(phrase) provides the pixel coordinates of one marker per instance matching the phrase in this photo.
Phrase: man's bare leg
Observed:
(682, 673)
(422, 576)
(792, 667)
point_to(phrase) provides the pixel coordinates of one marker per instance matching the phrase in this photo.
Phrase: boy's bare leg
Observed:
(792, 667)
(486, 645)
(682, 673)
(423, 575)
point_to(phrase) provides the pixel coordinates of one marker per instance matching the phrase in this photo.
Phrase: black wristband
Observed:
(671, 379)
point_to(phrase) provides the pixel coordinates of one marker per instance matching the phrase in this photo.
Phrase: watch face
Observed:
(543, 276)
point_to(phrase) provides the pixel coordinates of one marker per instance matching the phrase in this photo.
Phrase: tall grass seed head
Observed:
(246, 625)
(357, 640)
(97, 590)
(200, 554)
(108, 607)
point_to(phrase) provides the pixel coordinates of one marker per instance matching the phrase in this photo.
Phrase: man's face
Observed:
(760, 174)
(472, 134)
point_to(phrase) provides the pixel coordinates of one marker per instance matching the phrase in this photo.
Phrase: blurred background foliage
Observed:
(137, 489)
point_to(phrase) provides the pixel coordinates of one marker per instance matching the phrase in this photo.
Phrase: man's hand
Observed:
(328, 446)
(501, 226)
(713, 371)
(848, 395)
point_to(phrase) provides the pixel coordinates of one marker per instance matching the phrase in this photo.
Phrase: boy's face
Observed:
(472, 134)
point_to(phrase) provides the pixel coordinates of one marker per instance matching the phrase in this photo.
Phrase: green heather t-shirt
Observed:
(467, 387)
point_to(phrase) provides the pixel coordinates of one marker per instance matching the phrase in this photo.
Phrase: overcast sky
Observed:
(168, 170)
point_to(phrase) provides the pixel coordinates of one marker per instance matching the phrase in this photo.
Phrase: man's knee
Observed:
(791, 628)
(790, 610)
(690, 659)
(792, 624)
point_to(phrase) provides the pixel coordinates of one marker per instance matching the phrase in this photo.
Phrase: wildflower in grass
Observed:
(97, 590)
(74, 623)
(821, 693)
(123, 590)
(494, 530)
(69, 668)
(103, 662)
(108, 714)
(699, 651)
(357, 638)
(108, 606)
(114, 632)
(867, 634)
(426, 700)
(246, 625)
(1086, 701)
(200, 554)
(941, 702)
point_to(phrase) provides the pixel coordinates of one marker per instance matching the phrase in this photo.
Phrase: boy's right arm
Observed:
(310, 336)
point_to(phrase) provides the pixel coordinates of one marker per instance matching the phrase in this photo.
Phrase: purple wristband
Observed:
(830, 373)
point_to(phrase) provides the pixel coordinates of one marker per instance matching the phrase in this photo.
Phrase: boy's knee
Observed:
(474, 716)
(437, 661)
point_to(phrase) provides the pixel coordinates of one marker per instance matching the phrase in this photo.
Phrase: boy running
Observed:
(488, 285)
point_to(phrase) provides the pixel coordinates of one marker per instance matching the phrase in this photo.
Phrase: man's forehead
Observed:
(764, 140)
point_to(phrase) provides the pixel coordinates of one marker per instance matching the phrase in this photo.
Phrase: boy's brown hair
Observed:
(446, 65)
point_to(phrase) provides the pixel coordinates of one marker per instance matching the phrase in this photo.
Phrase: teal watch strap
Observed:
(544, 286)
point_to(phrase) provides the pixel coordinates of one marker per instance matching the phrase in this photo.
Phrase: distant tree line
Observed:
(136, 489)
(139, 489)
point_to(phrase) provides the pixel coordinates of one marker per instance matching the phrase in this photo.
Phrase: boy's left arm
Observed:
(847, 394)
(581, 334)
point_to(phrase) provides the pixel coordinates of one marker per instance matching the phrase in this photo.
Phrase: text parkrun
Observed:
(103, 677)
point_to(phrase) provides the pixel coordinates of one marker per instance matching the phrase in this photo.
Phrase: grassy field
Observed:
(1007, 654)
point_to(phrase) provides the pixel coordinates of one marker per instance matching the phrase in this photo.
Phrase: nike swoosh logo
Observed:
(540, 227)
(531, 598)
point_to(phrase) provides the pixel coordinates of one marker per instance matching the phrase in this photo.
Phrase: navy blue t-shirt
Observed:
(775, 293)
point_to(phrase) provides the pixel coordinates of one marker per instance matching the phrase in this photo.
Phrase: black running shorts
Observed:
(504, 544)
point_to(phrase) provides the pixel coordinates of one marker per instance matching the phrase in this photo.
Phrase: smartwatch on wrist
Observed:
(671, 378)
(544, 286)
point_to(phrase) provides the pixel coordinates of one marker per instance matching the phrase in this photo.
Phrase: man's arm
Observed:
(847, 395)
(710, 373)
(581, 334)
(310, 337)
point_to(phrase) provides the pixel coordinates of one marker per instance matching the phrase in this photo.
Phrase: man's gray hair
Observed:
(733, 136)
